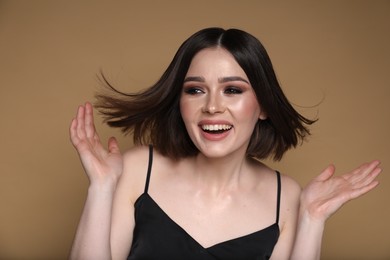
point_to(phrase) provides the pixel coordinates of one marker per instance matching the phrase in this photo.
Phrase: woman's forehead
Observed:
(217, 63)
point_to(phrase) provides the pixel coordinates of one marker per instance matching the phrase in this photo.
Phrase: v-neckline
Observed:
(192, 238)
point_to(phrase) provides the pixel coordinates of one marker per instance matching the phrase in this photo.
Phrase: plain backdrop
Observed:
(331, 57)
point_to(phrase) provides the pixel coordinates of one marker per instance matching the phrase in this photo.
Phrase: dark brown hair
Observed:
(153, 115)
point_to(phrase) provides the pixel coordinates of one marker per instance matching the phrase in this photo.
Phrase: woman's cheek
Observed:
(246, 108)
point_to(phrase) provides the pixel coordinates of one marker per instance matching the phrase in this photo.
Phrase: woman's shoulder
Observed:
(137, 158)
(259, 166)
(288, 184)
(133, 154)
(290, 196)
(135, 167)
(136, 162)
(290, 191)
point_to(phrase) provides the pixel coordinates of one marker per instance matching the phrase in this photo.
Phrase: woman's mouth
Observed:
(216, 128)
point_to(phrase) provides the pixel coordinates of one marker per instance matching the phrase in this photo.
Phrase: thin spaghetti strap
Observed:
(149, 168)
(278, 197)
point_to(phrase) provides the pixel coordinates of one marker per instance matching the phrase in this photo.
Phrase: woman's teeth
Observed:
(216, 127)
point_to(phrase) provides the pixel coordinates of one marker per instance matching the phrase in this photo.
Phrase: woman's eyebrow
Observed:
(220, 80)
(198, 79)
(233, 78)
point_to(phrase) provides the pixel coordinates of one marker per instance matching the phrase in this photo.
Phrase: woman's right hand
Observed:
(103, 167)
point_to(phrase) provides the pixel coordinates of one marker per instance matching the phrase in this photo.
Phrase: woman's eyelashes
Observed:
(229, 90)
(233, 90)
(193, 90)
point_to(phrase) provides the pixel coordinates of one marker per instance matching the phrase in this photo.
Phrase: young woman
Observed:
(199, 191)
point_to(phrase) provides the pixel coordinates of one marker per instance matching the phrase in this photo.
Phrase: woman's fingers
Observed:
(82, 129)
(80, 122)
(327, 193)
(100, 165)
(363, 190)
(362, 179)
(364, 168)
(326, 174)
(73, 131)
(366, 184)
(369, 177)
(113, 146)
(364, 174)
(77, 126)
(89, 123)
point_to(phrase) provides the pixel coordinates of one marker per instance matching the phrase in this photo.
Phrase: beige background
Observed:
(336, 52)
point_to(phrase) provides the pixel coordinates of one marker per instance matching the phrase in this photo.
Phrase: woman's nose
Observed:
(214, 104)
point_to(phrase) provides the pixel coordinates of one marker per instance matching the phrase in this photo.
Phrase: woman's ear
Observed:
(263, 115)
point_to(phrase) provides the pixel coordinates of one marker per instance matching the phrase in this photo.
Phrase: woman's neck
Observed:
(218, 175)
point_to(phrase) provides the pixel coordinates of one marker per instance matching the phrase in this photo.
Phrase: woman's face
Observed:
(218, 105)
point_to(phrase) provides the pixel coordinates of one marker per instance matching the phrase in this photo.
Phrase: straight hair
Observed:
(153, 115)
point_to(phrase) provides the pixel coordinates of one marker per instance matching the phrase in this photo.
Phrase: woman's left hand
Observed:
(325, 194)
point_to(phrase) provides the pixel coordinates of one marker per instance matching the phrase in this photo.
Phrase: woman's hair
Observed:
(153, 115)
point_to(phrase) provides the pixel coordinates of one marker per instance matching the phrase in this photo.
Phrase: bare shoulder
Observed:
(290, 186)
(290, 199)
(290, 193)
(135, 167)
(134, 155)
(290, 190)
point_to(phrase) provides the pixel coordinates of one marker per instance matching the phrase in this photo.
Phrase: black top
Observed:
(157, 236)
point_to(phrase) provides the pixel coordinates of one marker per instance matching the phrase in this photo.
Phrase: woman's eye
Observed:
(192, 91)
(233, 90)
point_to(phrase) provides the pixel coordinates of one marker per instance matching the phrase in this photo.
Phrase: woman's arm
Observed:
(103, 168)
(321, 198)
(289, 209)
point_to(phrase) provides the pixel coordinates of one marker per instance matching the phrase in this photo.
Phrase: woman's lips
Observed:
(215, 130)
